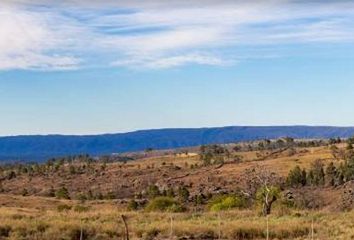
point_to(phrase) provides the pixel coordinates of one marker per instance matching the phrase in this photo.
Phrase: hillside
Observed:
(37, 148)
(85, 196)
(124, 180)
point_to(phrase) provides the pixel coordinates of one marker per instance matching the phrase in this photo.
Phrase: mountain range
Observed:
(42, 147)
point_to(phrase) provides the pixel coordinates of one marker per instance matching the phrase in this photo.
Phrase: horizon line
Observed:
(170, 128)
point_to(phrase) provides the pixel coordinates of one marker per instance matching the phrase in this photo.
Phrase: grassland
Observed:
(39, 218)
(36, 217)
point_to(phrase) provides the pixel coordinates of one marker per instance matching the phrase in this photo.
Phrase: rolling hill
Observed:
(40, 147)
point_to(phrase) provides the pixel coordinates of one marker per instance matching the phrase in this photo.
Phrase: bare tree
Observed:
(262, 185)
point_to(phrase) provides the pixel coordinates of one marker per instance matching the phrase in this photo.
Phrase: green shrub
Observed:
(153, 191)
(133, 205)
(183, 194)
(81, 197)
(164, 204)
(63, 207)
(227, 202)
(110, 196)
(81, 208)
(62, 193)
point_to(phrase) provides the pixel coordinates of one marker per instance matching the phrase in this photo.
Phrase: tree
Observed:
(316, 173)
(347, 169)
(331, 173)
(183, 194)
(303, 177)
(267, 195)
(263, 186)
(338, 154)
(213, 154)
(296, 177)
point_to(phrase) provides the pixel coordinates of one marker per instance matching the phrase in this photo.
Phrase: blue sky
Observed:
(118, 66)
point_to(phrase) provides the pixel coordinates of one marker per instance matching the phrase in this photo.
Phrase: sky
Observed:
(78, 67)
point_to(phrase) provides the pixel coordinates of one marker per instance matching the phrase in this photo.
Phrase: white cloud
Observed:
(155, 34)
(29, 41)
(173, 61)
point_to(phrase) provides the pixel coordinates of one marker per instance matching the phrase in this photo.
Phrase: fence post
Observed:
(171, 227)
(124, 218)
(267, 227)
(312, 229)
(219, 218)
(81, 232)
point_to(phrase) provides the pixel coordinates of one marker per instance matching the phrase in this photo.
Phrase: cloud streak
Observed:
(132, 34)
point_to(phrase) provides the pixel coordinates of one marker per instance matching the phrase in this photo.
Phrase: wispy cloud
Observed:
(159, 35)
(30, 40)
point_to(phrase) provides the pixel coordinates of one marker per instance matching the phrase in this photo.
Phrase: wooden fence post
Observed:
(124, 218)
(171, 227)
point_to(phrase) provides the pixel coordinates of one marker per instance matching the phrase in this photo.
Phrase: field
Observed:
(38, 218)
(34, 215)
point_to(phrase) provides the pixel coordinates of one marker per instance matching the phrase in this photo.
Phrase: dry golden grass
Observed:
(41, 220)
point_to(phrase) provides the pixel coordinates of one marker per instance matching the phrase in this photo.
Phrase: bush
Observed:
(110, 196)
(80, 208)
(227, 202)
(151, 234)
(133, 205)
(62, 193)
(5, 231)
(24, 192)
(164, 204)
(81, 197)
(183, 194)
(153, 191)
(63, 207)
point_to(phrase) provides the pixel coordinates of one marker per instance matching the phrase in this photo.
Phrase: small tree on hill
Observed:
(331, 173)
(263, 186)
(183, 194)
(316, 176)
(267, 195)
(296, 177)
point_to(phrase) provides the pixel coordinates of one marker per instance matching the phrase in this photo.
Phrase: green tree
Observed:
(331, 173)
(183, 194)
(296, 177)
(266, 196)
(317, 173)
